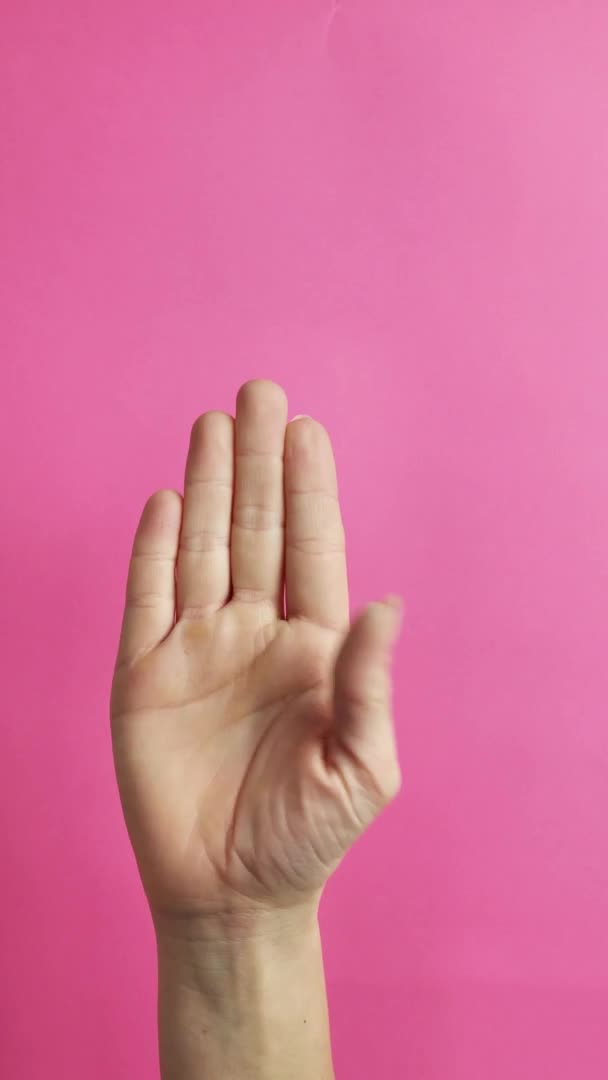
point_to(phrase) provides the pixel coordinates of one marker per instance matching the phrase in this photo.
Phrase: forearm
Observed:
(244, 1002)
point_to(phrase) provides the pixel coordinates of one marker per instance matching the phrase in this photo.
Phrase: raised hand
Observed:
(252, 730)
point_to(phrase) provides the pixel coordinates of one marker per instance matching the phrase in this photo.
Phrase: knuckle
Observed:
(391, 782)
(257, 517)
(143, 598)
(384, 783)
(317, 545)
(200, 541)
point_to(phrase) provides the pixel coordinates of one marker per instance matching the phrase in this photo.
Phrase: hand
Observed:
(252, 739)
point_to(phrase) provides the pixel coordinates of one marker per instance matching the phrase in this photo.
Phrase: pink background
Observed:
(399, 211)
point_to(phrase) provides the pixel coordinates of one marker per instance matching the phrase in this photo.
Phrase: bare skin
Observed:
(252, 735)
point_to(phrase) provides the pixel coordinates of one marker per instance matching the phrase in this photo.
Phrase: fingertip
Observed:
(262, 391)
(394, 601)
(395, 604)
(163, 505)
(308, 446)
(387, 614)
(159, 521)
(213, 426)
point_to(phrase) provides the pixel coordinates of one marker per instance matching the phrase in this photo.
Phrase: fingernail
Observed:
(301, 416)
(394, 601)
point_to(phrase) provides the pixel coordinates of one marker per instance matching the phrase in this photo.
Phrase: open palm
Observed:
(252, 730)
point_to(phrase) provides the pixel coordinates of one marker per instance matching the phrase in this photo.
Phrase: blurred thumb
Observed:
(363, 725)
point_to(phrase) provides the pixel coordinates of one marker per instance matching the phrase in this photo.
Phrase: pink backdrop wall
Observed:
(399, 211)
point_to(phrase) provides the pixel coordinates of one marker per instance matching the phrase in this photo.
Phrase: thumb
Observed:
(363, 727)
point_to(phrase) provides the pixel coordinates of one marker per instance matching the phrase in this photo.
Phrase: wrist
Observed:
(245, 990)
(235, 927)
(236, 950)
